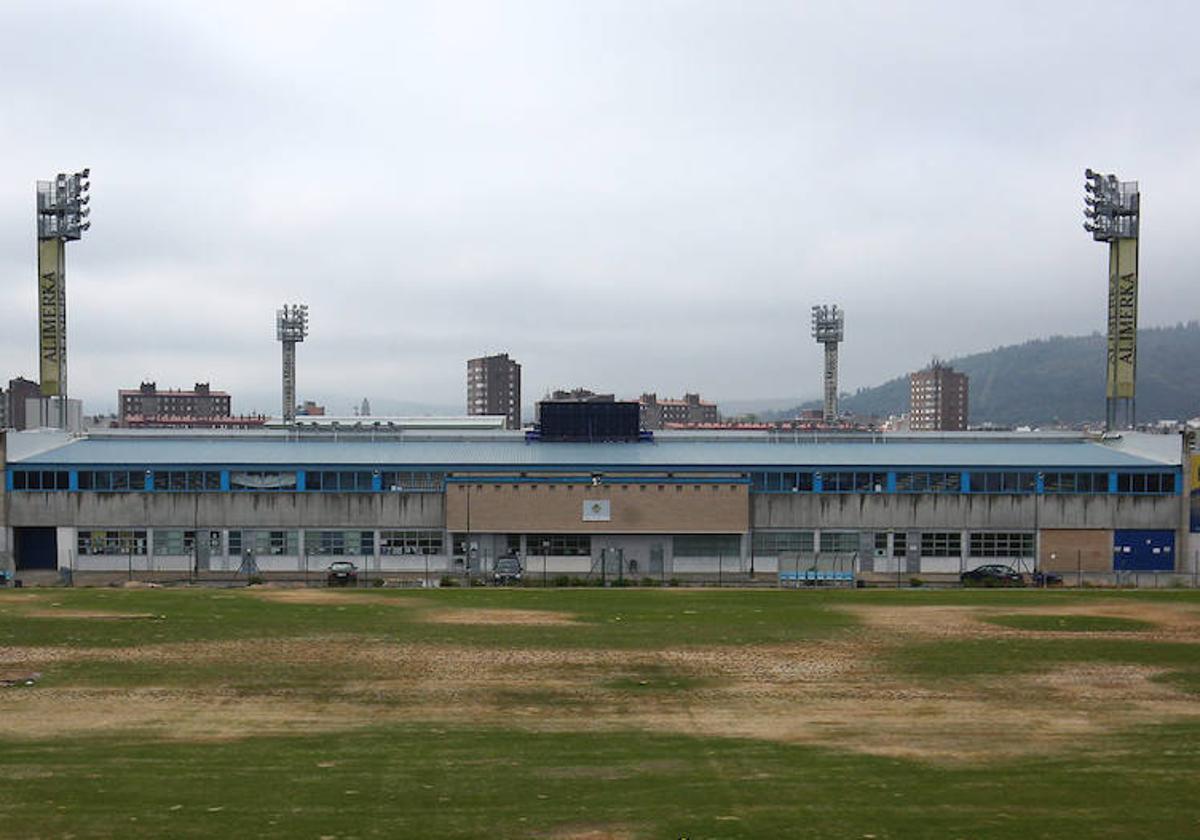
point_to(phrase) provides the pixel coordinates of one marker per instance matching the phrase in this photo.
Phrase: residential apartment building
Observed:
(689, 411)
(938, 399)
(135, 406)
(19, 390)
(494, 387)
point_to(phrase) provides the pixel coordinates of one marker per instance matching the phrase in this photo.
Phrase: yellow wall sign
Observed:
(1122, 317)
(52, 317)
(1195, 488)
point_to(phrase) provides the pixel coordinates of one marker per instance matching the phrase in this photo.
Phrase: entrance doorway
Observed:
(36, 548)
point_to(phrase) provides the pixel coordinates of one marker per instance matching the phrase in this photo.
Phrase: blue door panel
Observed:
(1143, 551)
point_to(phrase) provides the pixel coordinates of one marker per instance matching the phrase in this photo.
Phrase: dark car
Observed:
(507, 570)
(342, 573)
(993, 574)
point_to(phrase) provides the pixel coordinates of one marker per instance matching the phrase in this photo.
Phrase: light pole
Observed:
(828, 328)
(1113, 211)
(62, 213)
(291, 327)
(545, 551)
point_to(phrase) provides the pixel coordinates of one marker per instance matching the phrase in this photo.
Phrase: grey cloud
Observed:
(624, 195)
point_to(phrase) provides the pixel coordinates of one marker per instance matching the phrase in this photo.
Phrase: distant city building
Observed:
(147, 403)
(938, 399)
(19, 390)
(3, 409)
(46, 413)
(310, 409)
(365, 409)
(494, 387)
(168, 421)
(689, 411)
(579, 395)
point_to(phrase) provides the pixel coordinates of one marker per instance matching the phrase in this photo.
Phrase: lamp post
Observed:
(62, 217)
(291, 327)
(828, 328)
(1113, 211)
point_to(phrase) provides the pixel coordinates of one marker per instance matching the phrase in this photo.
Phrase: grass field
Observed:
(599, 713)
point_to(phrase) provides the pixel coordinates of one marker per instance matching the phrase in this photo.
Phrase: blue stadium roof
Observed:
(512, 451)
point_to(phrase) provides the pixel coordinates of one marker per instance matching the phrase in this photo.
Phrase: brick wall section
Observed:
(636, 508)
(1074, 549)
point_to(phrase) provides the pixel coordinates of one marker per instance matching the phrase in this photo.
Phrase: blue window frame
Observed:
(341, 481)
(1003, 482)
(113, 481)
(1146, 483)
(778, 481)
(853, 482)
(929, 482)
(1075, 482)
(187, 481)
(41, 480)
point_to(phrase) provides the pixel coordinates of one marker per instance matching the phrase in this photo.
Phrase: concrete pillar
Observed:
(6, 537)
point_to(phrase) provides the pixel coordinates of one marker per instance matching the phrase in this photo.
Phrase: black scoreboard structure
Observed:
(592, 422)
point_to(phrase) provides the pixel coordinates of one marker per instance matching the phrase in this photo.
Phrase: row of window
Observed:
(933, 543)
(775, 481)
(953, 482)
(171, 542)
(199, 481)
(339, 543)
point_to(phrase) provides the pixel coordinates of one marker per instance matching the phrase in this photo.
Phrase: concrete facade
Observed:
(6, 558)
(632, 508)
(671, 509)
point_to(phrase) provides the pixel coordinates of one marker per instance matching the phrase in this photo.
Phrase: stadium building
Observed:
(676, 505)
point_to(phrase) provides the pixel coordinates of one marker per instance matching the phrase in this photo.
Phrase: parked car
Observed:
(507, 570)
(992, 574)
(342, 573)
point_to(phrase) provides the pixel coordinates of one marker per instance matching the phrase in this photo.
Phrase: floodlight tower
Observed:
(827, 329)
(1113, 211)
(62, 213)
(291, 327)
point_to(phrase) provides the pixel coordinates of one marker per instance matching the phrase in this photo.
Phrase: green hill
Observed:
(1060, 379)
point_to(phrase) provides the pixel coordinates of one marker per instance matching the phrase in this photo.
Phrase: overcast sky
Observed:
(624, 196)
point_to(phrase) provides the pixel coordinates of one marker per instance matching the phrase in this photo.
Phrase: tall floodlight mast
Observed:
(827, 329)
(291, 327)
(1113, 211)
(62, 213)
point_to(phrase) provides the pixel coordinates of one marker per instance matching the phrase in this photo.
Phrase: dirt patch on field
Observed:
(1171, 621)
(328, 597)
(837, 692)
(923, 622)
(11, 596)
(592, 831)
(179, 715)
(501, 616)
(93, 614)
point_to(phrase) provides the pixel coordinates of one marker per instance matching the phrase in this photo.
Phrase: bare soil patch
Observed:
(93, 614)
(1173, 622)
(577, 831)
(501, 616)
(328, 597)
(835, 692)
(11, 596)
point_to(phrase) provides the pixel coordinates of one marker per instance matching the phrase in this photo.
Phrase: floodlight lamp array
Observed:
(828, 324)
(62, 211)
(291, 322)
(1111, 207)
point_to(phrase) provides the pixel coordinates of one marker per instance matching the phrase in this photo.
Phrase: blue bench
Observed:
(822, 575)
